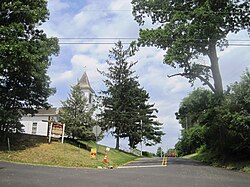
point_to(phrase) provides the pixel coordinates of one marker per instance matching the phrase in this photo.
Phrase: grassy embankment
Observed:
(68, 154)
(243, 166)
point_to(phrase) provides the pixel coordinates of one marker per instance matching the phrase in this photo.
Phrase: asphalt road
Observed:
(143, 173)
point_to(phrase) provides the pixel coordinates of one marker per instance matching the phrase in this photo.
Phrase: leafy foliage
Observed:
(125, 108)
(191, 140)
(159, 152)
(189, 29)
(192, 107)
(225, 120)
(25, 53)
(77, 116)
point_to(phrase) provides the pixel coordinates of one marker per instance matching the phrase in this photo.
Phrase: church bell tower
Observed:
(87, 90)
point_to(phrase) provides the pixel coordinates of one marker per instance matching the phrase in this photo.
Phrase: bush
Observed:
(191, 140)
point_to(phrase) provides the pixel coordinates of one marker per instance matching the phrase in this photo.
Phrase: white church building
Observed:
(37, 124)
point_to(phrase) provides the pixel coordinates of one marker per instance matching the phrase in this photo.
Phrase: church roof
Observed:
(84, 82)
(46, 112)
(49, 111)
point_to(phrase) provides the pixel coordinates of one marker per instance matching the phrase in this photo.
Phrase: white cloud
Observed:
(80, 20)
(89, 64)
(79, 64)
(62, 77)
(57, 5)
(121, 5)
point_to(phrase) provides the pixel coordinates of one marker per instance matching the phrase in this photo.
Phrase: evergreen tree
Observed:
(124, 102)
(143, 126)
(77, 116)
(25, 53)
(115, 115)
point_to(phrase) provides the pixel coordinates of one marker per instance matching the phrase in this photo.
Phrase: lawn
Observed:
(243, 166)
(68, 154)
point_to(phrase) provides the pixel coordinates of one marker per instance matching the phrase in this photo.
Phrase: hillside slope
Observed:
(69, 154)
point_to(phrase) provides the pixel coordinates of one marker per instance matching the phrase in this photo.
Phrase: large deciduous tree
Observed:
(188, 29)
(25, 54)
(125, 103)
(77, 116)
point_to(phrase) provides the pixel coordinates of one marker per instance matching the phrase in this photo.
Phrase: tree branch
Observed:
(204, 66)
(202, 79)
(177, 74)
(206, 82)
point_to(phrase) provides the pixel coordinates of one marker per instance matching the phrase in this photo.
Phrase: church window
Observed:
(90, 97)
(34, 128)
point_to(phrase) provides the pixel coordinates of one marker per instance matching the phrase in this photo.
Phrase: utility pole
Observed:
(186, 123)
(141, 137)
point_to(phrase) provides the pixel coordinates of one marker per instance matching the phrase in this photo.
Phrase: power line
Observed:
(133, 38)
(97, 38)
(108, 41)
(89, 43)
(112, 43)
(239, 45)
(130, 10)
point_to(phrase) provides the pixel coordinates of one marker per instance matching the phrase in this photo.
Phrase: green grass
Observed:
(207, 158)
(69, 154)
(115, 157)
(190, 156)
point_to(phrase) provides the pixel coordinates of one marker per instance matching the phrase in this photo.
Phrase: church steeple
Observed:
(84, 83)
(87, 90)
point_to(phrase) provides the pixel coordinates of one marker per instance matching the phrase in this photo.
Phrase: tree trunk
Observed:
(4, 135)
(117, 142)
(131, 142)
(215, 69)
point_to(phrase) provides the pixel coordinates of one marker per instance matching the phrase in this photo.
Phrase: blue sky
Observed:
(113, 19)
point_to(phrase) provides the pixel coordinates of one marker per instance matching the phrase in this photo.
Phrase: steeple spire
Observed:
(84, 82)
